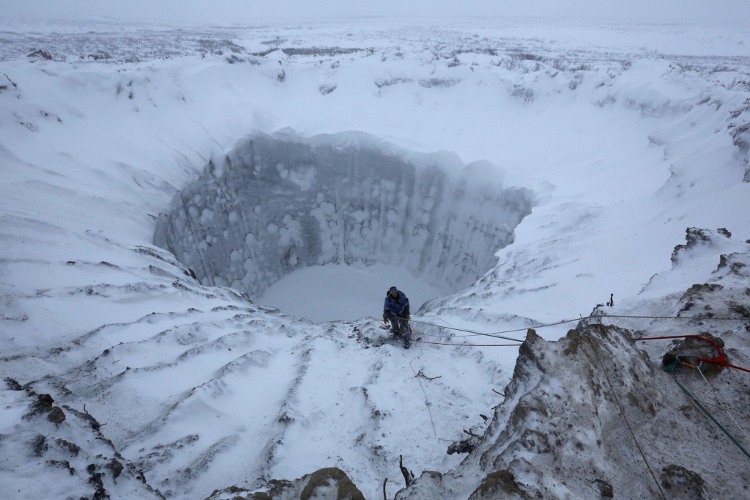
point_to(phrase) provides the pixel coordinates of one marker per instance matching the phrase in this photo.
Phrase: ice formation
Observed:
(279, 203)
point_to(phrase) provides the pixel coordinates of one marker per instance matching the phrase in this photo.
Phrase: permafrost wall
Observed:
(279, 203)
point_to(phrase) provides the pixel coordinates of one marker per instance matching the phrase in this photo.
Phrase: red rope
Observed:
(720, 359)
(738, 368)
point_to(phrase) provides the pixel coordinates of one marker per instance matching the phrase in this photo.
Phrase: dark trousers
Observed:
(399, 326)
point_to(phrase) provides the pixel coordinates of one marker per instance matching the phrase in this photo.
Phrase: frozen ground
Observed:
(625, 135)
(340, 292)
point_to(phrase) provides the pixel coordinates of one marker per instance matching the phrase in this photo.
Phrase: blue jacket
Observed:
(396, 307)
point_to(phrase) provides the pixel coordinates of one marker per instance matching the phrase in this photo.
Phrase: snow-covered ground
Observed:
(626, 135)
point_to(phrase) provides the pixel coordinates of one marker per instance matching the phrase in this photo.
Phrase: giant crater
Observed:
(278, 203)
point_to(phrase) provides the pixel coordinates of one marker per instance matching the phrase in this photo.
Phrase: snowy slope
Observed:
(594, 415)
(625, 136)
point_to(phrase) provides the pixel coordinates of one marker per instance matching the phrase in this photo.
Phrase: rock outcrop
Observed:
(329, 482)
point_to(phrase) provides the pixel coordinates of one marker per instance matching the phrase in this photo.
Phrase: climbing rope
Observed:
(426, 400)
(564, 321)
(699, 318)
(721, 405)
(719, 359)
(468, 345)
(497, 335)
(625, 418)
(671, 370)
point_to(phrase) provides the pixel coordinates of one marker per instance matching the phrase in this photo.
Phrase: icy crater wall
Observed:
(279, 203)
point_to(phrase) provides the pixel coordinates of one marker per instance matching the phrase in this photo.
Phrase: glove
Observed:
(385, 319)
(405, 315)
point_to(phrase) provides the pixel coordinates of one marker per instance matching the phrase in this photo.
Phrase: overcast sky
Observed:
(251, 11)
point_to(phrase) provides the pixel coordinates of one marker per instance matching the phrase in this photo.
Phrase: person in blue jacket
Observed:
(396, 310)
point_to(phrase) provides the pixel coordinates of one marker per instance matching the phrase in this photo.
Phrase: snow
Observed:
(621, 134)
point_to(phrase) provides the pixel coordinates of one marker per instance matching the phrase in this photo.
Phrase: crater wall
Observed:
(279, 203)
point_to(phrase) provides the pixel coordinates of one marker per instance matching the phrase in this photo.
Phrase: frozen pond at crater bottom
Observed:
(340, 292)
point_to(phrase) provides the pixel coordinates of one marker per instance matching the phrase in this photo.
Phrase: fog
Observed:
(254, 11)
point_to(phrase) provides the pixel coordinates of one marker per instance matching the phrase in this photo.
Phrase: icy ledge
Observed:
(278, 203)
